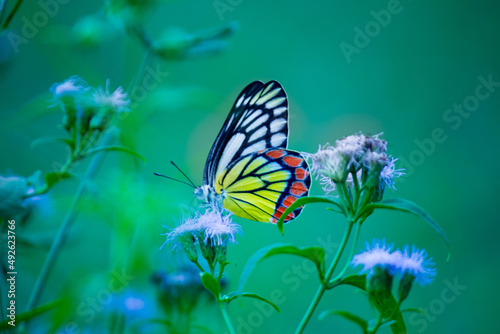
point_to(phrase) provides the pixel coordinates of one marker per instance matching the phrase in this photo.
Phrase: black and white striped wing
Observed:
(257, 121)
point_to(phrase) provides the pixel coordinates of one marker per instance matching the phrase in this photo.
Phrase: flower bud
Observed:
(208, 251)
(379, 283)
(221, 253)
(405, 285)
(190, 250)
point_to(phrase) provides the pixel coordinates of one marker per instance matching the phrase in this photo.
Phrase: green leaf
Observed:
(235, 294)
(305, 200)
(384, 304)
(211, 284)
(52, 178)
(347, 315)
(401, 204)
(30, 314)
(315, 254)
(358, 281)
(413, 310)
(49, 140)
(115, 148)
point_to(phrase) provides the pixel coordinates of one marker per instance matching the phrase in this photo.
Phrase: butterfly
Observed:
(249, 168)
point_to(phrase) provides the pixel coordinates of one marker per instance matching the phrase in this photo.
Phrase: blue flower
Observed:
(388, 173)
(134, 304)
(218, 227)
(213, 231)
(116, 101)
(377, 255)
(417, 265)
(214, 227)
(70, 87)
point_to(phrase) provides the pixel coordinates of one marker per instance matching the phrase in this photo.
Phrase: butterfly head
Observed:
(205, 193)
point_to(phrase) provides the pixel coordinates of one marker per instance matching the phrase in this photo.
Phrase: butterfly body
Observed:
(249, 171)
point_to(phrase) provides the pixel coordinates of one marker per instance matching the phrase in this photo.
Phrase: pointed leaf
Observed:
(413, 310)
(235, 294)
(30, 314)
(384, 304)
(305, 200)
(52, 178)
(358, 281)
(347, 315)
(115, 148)
(49, 139)
(211, 284)
(401, 204)
(315, 254)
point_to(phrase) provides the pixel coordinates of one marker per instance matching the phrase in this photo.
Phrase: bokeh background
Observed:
(399, 77)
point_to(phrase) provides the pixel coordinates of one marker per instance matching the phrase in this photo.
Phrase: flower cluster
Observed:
(212, 231)
(87, 108)
(356, 160)
(381, 265)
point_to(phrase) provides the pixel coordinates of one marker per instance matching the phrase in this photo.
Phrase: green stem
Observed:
(221, 272)
(357, 191)
(381, 320)
(324, 285)
(2, 10)
(227, 320)
(145, 60)
(356, 236)
(64, 230)
(343, 199)
(198, 265)
(12, 13)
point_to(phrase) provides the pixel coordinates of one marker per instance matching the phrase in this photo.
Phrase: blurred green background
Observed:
(399, 77)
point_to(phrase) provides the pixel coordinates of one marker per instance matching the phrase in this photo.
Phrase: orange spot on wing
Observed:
(279, 212)
(289, 200)
(290, 216)
(298, 189)
(275, 154)
(292, 161)
(301, 173)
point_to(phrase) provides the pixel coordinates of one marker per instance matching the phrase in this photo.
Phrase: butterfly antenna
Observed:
(194, 186)
(171, 178)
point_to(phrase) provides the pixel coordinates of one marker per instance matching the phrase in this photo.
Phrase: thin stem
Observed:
(357, 191)
(145, 60)
(324, 285)
(355, 241)
(381, 320)
(221, 271)
(12, 13)
(2, 9)
(342, 197)
(64, 229)
(198, 265)
(227, 320)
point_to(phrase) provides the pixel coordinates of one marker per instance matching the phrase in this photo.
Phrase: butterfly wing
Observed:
(261, 186)
(257, 121)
